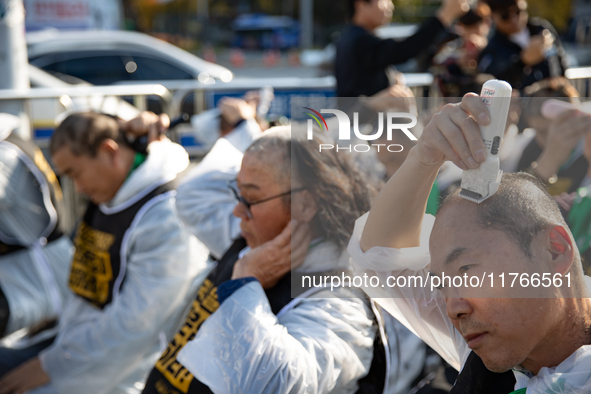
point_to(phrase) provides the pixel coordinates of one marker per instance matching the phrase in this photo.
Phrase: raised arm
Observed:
(379, 53)
(453, 134)
(390, 242)
(204, 202)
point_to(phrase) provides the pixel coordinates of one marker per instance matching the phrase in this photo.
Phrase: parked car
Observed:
(47, 112)
(118, 57)
(106, 57)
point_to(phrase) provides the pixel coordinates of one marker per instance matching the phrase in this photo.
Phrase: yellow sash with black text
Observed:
(169, 376)
(100, 261)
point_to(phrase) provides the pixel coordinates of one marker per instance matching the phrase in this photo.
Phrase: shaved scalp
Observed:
(521, 208)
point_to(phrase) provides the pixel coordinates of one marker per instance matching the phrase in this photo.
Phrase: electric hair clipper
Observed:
(483, 182)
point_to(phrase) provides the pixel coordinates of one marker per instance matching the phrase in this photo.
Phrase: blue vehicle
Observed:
(261, 31)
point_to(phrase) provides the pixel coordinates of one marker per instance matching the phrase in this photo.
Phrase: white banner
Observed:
(73, 14)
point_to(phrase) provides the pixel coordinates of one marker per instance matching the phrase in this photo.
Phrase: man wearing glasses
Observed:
(522, 50)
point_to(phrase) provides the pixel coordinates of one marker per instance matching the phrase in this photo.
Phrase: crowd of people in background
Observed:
(181, 280)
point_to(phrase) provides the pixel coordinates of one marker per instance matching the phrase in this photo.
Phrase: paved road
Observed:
(254, 65)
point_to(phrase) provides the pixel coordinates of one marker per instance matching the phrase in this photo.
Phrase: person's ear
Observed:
(110, 148)
(303, 206)
(560, 246)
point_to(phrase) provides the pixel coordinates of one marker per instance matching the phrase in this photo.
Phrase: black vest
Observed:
(37, 165)
(99, 264)
(475, 378)
(170, 377)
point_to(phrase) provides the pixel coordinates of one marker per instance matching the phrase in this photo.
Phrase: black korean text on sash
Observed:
(169, 376)
(97, 270)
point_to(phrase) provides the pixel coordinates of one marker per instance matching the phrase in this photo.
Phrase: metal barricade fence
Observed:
(44, 106)
(321, 87)
(580, 78)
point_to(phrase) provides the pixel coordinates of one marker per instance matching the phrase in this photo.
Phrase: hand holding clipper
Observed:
(481, 183)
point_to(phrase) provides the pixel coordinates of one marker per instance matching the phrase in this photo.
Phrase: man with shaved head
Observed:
(506, 335)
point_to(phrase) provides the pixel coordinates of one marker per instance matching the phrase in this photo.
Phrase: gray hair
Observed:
(274, 146)
(341, 190)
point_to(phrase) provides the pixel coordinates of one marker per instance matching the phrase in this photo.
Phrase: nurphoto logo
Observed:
(392, 120)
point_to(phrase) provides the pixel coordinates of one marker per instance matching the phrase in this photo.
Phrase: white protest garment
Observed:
(315, 345)
(573, 375)
(426, 318)
(34, 280)
(110, 350)
(204, 202)
(407, 355)
(424, 313)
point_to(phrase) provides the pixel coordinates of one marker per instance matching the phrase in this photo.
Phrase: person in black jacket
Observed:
(522, 50)
(362, 58)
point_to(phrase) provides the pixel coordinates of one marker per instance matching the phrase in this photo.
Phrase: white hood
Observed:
(324, 257)
(573, 375)
(164, 162)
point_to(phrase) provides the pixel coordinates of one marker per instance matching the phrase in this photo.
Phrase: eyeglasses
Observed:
(233, 185)
(507, 14)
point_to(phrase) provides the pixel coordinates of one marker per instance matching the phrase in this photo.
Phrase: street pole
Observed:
(14, 63)
(306, 23)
